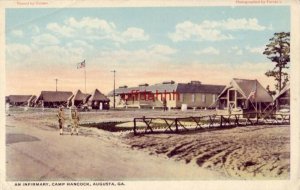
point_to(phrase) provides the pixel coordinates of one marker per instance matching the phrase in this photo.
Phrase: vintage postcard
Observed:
(152, 95)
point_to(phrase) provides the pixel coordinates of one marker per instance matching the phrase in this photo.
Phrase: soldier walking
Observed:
(74, 120)
(61, 120)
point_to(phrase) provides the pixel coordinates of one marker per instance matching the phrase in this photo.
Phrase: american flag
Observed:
(81, 64)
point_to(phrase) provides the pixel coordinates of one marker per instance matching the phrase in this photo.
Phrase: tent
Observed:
(244, 95)
(98, 100)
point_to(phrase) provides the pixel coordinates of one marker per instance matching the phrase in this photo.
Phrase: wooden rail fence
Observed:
(178, 124)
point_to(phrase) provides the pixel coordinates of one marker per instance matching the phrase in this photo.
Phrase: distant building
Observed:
(54, 99)
(193, 94)
(282, 99)
(20, 100)
(242, 96)
(80, 98)
(98, 100)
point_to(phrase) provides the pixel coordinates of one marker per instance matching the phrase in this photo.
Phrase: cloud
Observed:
(134, 34)
(18, 33)
(239, 52)
(80, 43)
(34, 29)
(240, 24)
(62, 30)
(258, 50)
(17, 51)
(45, 39)
(96, 29)
(235, 50)
(162, 49)
(213, 30)
(208, 50)
(190, 31)
(89, 24)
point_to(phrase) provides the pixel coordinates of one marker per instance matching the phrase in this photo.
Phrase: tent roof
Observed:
(20, 98)
(285, 89)
(98, 96)
(79, 96)
(55, 96)
(246, 86)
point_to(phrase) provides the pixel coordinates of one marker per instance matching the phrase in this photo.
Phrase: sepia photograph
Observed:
(105, 96)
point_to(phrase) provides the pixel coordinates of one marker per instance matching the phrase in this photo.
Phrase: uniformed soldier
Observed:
(61, 120)
(74, 120)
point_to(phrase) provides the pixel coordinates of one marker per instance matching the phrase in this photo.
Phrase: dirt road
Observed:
(35, 151)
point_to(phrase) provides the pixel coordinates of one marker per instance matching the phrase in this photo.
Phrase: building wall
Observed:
(199, 100)
(196, 99)
(111, 103)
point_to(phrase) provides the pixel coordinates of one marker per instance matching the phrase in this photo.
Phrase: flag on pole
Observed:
(81, 64)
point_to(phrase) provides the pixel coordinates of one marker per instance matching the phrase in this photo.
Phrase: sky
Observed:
(144, 45)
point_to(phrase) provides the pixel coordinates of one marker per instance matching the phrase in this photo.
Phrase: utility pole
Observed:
(114, 71)
(56, 83)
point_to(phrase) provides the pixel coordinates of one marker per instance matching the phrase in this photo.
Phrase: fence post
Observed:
(176, 125)
(134, 126)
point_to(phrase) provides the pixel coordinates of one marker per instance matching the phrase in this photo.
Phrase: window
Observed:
(193, 97)
(203, 98)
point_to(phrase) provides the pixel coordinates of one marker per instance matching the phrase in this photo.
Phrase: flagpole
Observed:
(85, 77)
(256, 101)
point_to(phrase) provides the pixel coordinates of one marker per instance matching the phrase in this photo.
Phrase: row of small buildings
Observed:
(239, 96)
(54, 99)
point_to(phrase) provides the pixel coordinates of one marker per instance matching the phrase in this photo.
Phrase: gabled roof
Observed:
(98, 96)
(55, 96)
(79, 96)
(20, 98)
(199, 88)
(284, 90)
(245, 87)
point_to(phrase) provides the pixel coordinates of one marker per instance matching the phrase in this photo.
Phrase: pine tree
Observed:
(278, 51)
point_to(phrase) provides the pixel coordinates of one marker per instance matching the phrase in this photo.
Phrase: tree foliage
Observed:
(278, 51)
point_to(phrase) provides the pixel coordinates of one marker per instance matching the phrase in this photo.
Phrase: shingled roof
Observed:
(98, 96)
(20, 98)
(199, 88)
(55, 96)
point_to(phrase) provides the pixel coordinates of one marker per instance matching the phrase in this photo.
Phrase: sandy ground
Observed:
(260, 152)
(35, 151)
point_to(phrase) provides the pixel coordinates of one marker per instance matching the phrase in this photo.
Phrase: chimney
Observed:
(169, 82)
(195, 82)
(145, 84)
